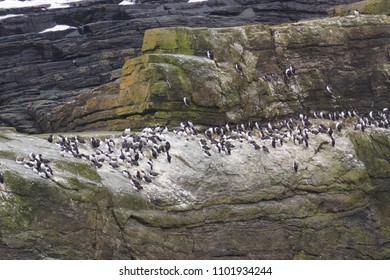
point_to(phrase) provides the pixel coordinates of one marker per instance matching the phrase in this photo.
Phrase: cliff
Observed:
(44, 72)
(330, 52)
(247, 205)
(259, 165)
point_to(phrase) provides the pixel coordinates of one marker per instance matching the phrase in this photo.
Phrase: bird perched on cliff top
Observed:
(50, 138)
(1, 178)
(356, 13)
(239, 68)
(186, 101)
(210, 55)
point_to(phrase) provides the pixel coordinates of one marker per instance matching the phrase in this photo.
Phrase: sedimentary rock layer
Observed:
(43, 72)
(340, 63)
(247, 205)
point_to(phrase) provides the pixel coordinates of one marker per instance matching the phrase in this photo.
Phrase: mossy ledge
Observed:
(249, 205)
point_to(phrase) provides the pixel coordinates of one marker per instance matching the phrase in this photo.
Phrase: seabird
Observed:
(1, 178)
(255, 145)
(138, 174)
(289, 72)
(136, 184)
(169, 157)
(79, 140)
(295, 166)
(43, 174)
(356, 13)
(210, 55)
(127, 131)
(239, 68)
(167, 146)
(95, 143)
(126, 173)
(50, 138)
(153, 174)
(186, 101)
(338, 126)
(329, 89)
(154, 153)
(330, 131)
(146, 179)
(114, 164)
(273, 143)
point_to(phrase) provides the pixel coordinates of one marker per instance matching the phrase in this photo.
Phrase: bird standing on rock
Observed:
(210, 55)
(239, 69)
(295, 166)
(187, 101)
(356, 13)
(329, 89)
(289, 72)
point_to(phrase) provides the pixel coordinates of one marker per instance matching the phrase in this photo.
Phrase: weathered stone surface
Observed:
(249, 205)
(327, 52)
(40, 73)
(379, 7)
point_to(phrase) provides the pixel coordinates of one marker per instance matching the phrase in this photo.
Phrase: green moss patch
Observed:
(80, 169)
(7, 154)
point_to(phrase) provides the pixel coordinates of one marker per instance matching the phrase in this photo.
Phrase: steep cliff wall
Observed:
(248, 205)
(213, 200)
(348, 54)
(41, 72)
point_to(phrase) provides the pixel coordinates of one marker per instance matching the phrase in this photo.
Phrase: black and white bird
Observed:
(169, 157)
(295, 166)
(210, 55)
(187, 101)
(289, 72)
(239, 69)
(329, 89)
(356, 13)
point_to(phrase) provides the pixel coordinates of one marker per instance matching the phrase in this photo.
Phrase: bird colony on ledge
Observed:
(136, 155)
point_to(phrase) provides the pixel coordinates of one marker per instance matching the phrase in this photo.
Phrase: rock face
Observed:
(327, 53)
(379, 7)
(245, 202)
(247, 205)
(41, 73)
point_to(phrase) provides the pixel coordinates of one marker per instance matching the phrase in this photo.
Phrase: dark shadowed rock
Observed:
(41, 72)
